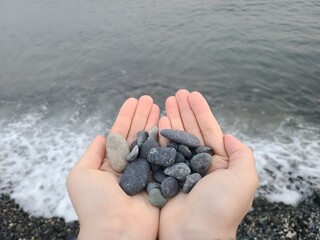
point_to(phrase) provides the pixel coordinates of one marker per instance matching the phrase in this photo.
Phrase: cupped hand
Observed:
(105, 211)
(216, 205)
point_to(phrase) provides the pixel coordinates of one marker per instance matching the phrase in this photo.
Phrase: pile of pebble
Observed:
(162, 171)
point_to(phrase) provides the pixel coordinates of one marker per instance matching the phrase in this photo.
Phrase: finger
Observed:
(153, 118)
(140, 118)
(124, 118)
(188, 118)
(173, 113)
(164, 123)
(241, 160)
(209, 126)
(93, 156)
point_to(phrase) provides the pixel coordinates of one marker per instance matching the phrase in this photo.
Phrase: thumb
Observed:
(93, 156)
(241, 159)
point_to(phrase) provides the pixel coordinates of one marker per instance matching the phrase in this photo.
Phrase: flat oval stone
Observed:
(190, 182)
(204, 149)
(156, 198)
(146, 147)
(142, 137)
(170, 187)
(181, 137)
(185, 151)
(153, 133)
(135, 177)
(201, 162)
(178, 170)
(133, 154)
(133, 144)
(180, 158)
(159, 176)
(162, 156)
(152, 185)
(117, 152)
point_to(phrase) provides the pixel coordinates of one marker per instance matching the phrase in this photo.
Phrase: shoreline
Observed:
(266, 221)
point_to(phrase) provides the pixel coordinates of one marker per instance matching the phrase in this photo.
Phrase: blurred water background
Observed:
(67, 66)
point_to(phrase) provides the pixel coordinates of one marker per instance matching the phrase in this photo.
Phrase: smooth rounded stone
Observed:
(133, 154)
(201, 162)
(117, 152)
(170, 187)
(183, 149)
(135, 177)
(159, 176)
(173, 144)
(181, 137)
(204, 149)
(142, 136)
(133, 144)
(180, 158)
(156, 198)
(178, 170)
(146, 147)
(190, 182)
(152, 185)
(153, 133)
(162, 156)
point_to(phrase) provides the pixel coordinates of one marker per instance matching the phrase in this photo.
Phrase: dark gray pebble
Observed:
(185, 151)
(181, 137)
(162, 156)
(146, 147)
(173, 144)
(153, 185)
(180, 158)
(155, 167)
(159, 176)
(133, 154)
(190, 182)
(156, 198)
(170, 187)
(142, 137)
(135, 176)
(204, 149)
(178, 170)
(201, 162)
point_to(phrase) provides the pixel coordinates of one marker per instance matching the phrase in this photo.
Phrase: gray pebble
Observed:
(162, 156)
(135, 177)
(173, 144)
(152, 185)
(180, 158)
(170, 187)
(159, 176)
(141, 137)
(133, 144)
(178, 170)
(133, 154)
(155, 167)
(183, 149)
(181, 137)
(156, 198)
(190, 182)
(117, 152)
(146, 147)
(153, 133)
(204, 149)
(201, 162)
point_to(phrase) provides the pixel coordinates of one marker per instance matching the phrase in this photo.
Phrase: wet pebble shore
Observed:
(266, 221)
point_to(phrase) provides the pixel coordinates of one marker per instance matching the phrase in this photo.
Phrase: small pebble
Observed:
(156, 198)
(190, 182)
(173, 144)
(135, 177)
(178, 170)
(162, 156)
(201, 162)
(133, 144)
(117, 152)
(159, 176)
(146, 147)
(185, 151)
(153, 133)
(204, 149)
(142, 136)
(170, 187)
(181, 137)
(152, 185)
(155, 167)
(133, 154)
(180, 158)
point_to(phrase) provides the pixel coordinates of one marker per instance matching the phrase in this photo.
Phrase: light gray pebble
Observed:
(156, 198)
(190, 182)
(170, 187)
(142, 136)
(201, 162)
(133, 154)
(162, 156)
(153, 133)
(159, 176)
(178, 170)
(135, 177)
(180, 158)
(173, 144)
(181, 137)
(133, 144)
(146, 147)
(185, 151)
(152, 185)
(117, 152)
(204, 149)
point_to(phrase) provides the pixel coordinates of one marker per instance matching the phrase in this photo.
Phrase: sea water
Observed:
(66, 68)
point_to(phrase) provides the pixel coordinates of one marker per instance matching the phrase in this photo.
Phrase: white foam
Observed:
(36, 157)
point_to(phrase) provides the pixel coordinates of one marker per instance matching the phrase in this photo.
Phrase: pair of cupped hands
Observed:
(212, 210)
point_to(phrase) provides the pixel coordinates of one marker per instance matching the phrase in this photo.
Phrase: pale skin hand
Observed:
(217, 204)
(104, 210)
